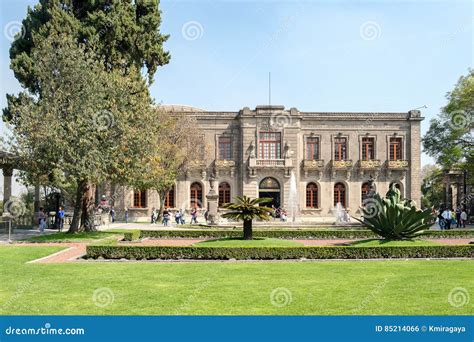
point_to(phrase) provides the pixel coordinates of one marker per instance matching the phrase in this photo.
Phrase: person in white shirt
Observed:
(447, 218)
(463, 218)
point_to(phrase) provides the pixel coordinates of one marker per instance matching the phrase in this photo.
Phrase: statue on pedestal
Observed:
(212, 201)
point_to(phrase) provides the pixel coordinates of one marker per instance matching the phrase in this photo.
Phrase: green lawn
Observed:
(256, 242)
(412, 287)
(77, 237)
(385, 243)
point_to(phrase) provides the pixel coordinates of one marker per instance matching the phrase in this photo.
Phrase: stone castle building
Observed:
(257, 152)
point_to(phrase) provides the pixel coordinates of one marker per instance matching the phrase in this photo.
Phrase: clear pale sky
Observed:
(323, 55)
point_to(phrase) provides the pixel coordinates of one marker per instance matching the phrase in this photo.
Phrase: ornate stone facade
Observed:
(331, 156)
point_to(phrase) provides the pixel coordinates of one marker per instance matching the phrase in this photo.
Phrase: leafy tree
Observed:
(124, 35)
(246, 209)
(450, 138)
(177, 143)
(88, 125)
(432, 187)
(121, 35)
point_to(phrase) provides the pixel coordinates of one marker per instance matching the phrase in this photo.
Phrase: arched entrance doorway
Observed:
(270, 188)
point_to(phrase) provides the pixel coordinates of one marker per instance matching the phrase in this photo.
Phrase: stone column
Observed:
(7, 183)
(414, 177)
(212, 202)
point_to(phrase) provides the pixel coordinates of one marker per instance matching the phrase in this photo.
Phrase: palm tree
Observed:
(246, 209)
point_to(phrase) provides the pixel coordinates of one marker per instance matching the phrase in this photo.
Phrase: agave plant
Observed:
(394, 218)
(246, 209)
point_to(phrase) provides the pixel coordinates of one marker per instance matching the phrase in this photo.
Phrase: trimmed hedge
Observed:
(271, 253)
(292, 234)
(132, 235)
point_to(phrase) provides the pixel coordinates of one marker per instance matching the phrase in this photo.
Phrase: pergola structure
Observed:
(457, 191)
(8, 163)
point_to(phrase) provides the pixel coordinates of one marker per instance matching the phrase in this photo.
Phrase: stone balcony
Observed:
(373, 167)
(224, 166)
(373, 164)
(197, 166)
(341, 164)
(316, 164)
(398, 164)
(255, 164)
(315, 167)
(269, 163)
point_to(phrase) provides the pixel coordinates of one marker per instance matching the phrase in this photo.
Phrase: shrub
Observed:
(393, 218)
(132, 235)
(271, 253)
(293, 234)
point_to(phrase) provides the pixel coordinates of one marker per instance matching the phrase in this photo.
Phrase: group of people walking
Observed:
(447, 218)
(179, 216)
(58, 219)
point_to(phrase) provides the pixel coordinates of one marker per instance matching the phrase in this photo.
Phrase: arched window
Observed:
(139, 199)
(224, 193)
(311, 195)
(169, 198)
(340, 194)
(196, 195)
(364, 192)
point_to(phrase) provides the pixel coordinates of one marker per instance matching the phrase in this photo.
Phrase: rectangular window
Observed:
(225, 148)
(312, 148)
(169, 199)
(139, 199)
(368, 149)
(340, 149)
(269, 146)
(396, 149)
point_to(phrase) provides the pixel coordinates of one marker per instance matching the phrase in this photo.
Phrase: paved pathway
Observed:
(73, 251)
